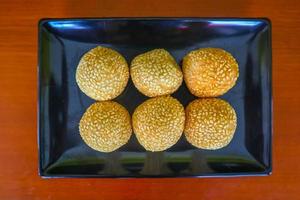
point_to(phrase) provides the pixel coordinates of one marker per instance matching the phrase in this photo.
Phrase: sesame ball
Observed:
(210, 72)
(156, 73)
(105, 126)
(210, 123)
(102, 73)
(158, 123)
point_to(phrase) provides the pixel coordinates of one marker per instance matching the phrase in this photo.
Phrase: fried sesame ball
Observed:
(210, 123)
(102, 73)
(210, 72)
(158, 123)
(105, 126)
(156, 73)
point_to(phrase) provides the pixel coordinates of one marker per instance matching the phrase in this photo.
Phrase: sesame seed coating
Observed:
(105, 126)
(210, 123)
(156, 73)
(158, 123)
(102, 73)
(210, 72)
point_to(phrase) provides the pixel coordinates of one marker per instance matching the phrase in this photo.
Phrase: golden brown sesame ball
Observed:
(209, 72)
(158, 123)
(156, 73)
(210, 123)
(102, 73)
(105, 126)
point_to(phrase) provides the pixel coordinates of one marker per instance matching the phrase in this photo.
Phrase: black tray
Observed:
(62, 42)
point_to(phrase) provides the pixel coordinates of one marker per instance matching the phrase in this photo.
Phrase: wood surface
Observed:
(18, 103)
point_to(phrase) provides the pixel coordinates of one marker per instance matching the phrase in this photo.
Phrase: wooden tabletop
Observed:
(18, 103)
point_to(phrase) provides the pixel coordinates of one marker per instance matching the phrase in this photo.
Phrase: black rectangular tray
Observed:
(62, 42)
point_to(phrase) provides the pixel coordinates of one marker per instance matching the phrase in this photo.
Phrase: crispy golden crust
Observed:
(210, 123)
(105, 126)
(158, 123)
(156, 73)
(102, 73)
(209, 72)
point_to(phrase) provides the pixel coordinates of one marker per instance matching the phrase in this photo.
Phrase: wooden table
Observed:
(18, 103)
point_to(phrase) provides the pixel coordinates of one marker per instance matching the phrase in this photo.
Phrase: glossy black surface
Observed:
(61, 104)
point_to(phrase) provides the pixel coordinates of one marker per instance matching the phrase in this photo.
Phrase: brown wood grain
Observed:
(18, 103)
